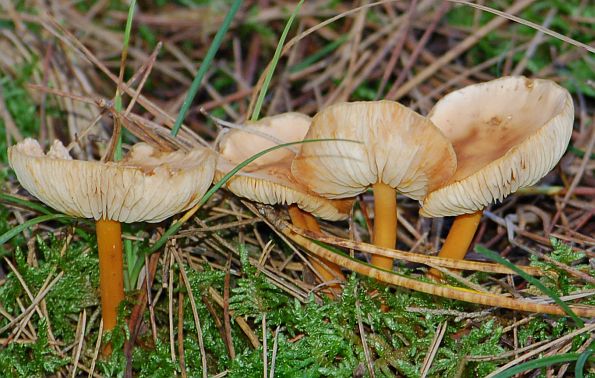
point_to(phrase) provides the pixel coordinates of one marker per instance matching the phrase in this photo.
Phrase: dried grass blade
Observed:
(527, 23)
(424, 287)
(203, 355)
(457, 50)
(416, 257)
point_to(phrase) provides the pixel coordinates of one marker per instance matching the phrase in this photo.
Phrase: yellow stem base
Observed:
(385, 223)
(111, 280)
(459, 239)
(327, 270)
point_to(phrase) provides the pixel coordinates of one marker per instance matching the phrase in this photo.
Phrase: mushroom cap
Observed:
(238, 145)
(507, 134)
(268, 179)
(398, 147)
(147, 185)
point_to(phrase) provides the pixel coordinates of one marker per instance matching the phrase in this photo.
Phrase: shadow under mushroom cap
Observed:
(146, 186)
(274, 185)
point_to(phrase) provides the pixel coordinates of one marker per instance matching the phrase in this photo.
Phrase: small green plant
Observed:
(558, 279)
(36, 359)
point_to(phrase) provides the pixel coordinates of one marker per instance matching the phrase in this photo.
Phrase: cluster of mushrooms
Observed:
(477, 145)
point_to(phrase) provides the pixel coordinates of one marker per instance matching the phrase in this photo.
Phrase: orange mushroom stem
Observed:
(385, 223)
(147, 185)
(507, 133)
(459, 239)
(111, 280)
(327, 270)
(400, 151)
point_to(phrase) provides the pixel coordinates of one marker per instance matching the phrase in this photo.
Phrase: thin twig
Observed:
(275, 347)
(265, 352)
(203, 353)
(81, 339)
(362, 335)
(97, 347)
(34, 303)
(181, 333)
(454, 52)
(516, 361)
(438, 336)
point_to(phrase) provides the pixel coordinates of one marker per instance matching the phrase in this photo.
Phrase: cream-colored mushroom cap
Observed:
(397, 147)
(507, 133)
(268, 179)
(147, 185)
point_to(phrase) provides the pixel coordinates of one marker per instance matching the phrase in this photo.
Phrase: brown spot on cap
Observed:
(495, 121)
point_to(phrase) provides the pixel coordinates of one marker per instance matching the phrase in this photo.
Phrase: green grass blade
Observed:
(129, 25)
(35, 206)
(176, 225)
(501, 260)
(202, 70)
(582, 360)
(276, 56)
(323, 52)
(31, 222)
(139, 264)
(24, 203)
(127, 244)
(118, 97)
(537, 364)
(580, 153)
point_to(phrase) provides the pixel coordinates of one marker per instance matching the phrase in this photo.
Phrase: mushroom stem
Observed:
(327, 270)
(111, 282)
(385, 223)
(311, 222)
(459, 239)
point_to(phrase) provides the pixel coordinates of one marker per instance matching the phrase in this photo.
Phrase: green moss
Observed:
(254, 295)
(155, 363)
(558, 279)
(73, 292)
(481, 341)
(36, 359)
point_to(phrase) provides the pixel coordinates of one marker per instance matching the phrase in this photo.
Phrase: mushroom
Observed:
(147, 185)
(268, 179)
(400, 150)
(507, 134)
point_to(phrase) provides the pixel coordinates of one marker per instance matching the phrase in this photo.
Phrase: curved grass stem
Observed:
(461, 294)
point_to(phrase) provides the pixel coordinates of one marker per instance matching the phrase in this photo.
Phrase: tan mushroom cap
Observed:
(398, 147)
(147, 185)
(268, 179)
(239, 144)
(507, 133)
